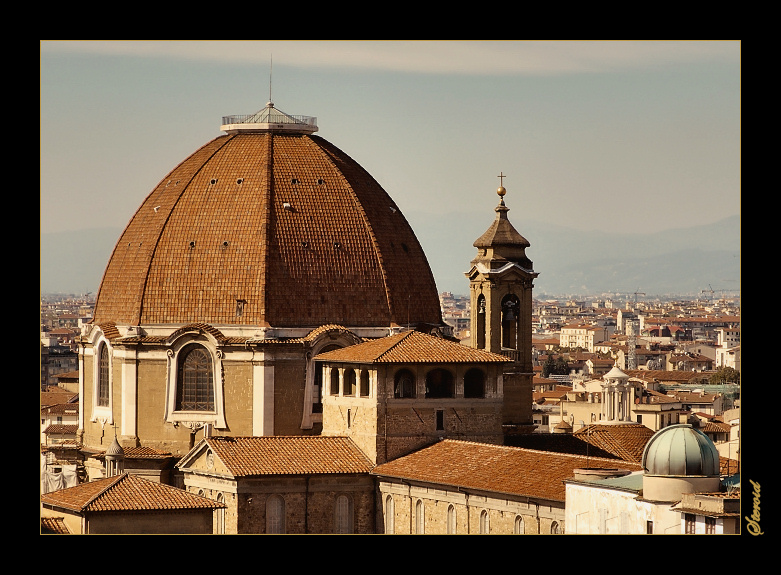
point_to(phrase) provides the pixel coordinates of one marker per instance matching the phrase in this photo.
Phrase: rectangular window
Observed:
(689, 523)
(649, 527)
(440, 419)
(710, 525)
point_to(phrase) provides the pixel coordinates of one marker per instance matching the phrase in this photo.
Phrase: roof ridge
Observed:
(113, 481)
(404, 335)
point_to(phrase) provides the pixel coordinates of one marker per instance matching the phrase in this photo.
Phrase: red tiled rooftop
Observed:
(500, 469)
(626, 441)
(125, 492)
(411, 347)
(288, 455)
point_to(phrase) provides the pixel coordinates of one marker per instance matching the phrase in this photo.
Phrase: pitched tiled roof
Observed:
(625, 441)
(289, 455)
(54, 526)
(557, 442)
(54, 396)
(64, 408)
(497, 468)
(125, 492)
(141, 452)
(272, 229)
(411, 347)
(56, 428)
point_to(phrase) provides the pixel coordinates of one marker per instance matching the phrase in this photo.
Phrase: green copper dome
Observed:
(681, 450)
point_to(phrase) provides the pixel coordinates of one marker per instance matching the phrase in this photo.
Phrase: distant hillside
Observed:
(572, 262)
(569, 262)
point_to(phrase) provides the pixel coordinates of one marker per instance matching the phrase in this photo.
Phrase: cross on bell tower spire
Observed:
(501, 191)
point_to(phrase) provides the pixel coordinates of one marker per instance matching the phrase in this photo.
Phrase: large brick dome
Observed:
(268, 225)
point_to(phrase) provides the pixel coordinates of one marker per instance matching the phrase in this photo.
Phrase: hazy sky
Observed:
(618, 135)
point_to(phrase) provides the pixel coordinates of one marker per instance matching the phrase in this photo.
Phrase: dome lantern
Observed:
(269, 119)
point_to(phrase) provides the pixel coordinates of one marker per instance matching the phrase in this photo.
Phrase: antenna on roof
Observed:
(270, 69)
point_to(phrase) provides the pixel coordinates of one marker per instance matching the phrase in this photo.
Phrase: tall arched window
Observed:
(334, 389)
(519, 527)
(404, 384)
(439, 383)
(484, 527)
(451, 520)
(474, 383)
(511, 311)
(480, 327)
(103, 376)
(420, 519)
(390, 515)
(317, 391)
(195, 388)
(275, 514)
(343, 514)
(349, 382)
(220, 523)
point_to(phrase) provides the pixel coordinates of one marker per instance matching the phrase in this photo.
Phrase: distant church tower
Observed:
(500, 281)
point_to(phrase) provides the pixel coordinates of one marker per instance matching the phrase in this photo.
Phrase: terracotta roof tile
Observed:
(625, 441)
(411, 347)
(141, 452)
(497, 468)
(58, 428)
(50, 398)
(289, 455)
(54, 526)
(287, 224)
(126, 492)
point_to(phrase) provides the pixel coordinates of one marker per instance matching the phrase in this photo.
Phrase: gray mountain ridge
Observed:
(570, 262)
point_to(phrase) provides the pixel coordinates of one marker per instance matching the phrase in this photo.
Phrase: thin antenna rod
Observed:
(270, 70)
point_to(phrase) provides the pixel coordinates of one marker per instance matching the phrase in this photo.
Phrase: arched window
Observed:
(365, 383)
(519, 527)
(451, 520)
(555, 528)
(343, 514)
(103, 376)
(317, 391)
(220, 513)
(404, 384)
(349, 382)
(480, 327)
(275, 514)
(484, 527)
(390, 515)
(334, 381)
(474, 383)
(439, 383)
(195, 389)
(420, 520)
(511, 311)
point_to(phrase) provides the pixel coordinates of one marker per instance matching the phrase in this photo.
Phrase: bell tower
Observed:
(500, 281)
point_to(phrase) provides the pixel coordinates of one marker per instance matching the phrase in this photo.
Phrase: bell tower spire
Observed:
(500, 281)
